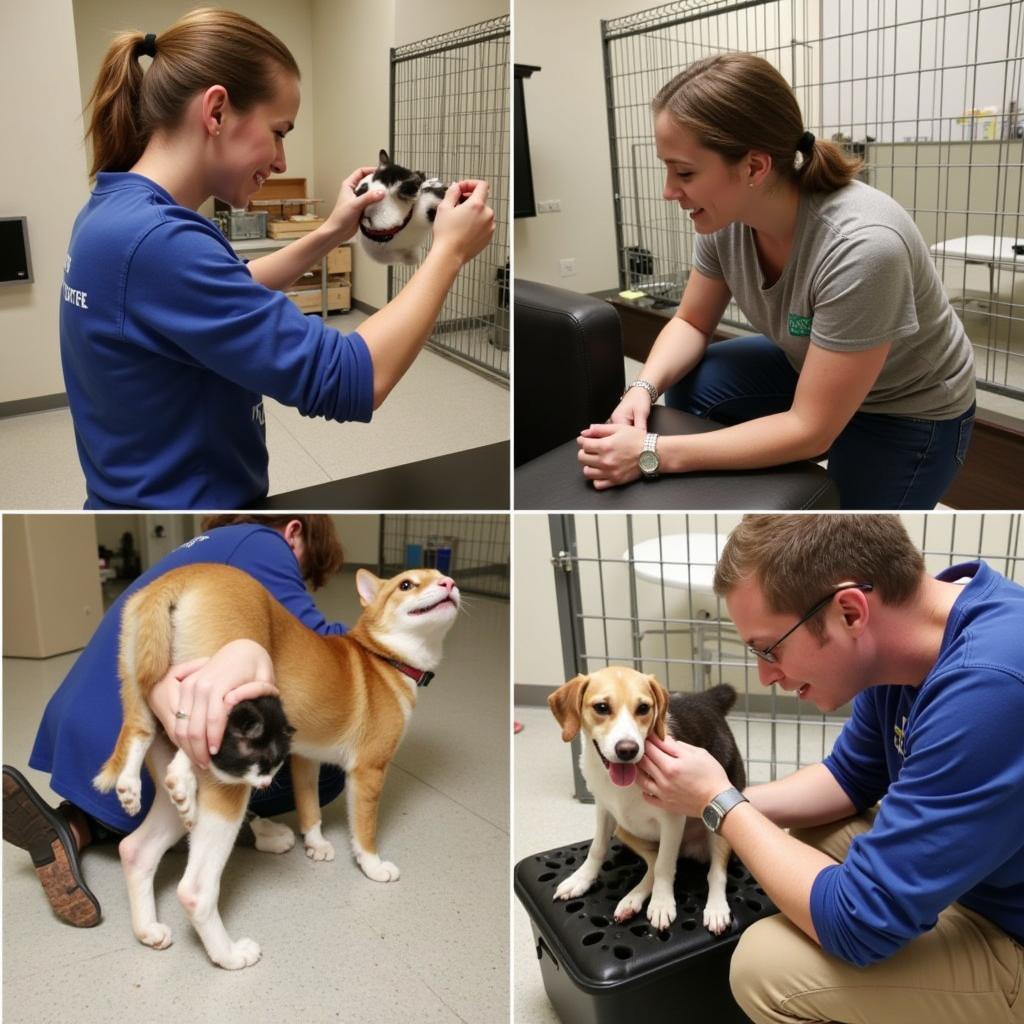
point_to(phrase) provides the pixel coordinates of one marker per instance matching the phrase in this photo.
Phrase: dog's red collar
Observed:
(418, 676)
(386, 236)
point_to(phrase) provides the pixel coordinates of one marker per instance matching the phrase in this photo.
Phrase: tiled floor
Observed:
(431, 947)
(437, 408)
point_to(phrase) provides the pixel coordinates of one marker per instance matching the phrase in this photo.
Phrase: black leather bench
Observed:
(569, 373)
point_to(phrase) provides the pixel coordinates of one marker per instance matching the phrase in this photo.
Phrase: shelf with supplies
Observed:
(327, 289)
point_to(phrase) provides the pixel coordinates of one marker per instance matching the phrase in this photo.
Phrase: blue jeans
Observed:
(877, 462)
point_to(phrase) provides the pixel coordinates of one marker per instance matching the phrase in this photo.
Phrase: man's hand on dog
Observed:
(680, 778)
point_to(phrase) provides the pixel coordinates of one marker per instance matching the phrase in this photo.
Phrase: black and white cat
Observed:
(394, 229)
(256, 742)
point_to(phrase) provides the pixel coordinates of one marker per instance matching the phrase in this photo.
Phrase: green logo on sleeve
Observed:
(800, 326)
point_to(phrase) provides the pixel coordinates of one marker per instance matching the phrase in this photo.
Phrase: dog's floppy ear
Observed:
(660, 697)
(566, 704)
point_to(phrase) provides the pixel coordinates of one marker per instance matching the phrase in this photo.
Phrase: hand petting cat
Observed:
(206, 690)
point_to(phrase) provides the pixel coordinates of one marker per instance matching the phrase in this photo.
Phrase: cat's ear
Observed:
(289, 730)
(367, 585)
(384, 159)
(248, 721)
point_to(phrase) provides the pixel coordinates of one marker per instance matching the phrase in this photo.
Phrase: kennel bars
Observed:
(929, 92)
(478, 547)
(450, 118)
(636, 589)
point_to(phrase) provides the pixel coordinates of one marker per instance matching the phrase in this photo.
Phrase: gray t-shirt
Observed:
(858, 275)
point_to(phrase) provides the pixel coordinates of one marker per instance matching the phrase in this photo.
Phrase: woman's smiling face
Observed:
(699, 179)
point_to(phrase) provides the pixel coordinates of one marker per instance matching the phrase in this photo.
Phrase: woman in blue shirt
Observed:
(168, 340)
(83, 718)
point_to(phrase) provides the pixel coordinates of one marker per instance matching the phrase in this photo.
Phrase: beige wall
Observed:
(42, 176)
(568, 126)
(51, 584)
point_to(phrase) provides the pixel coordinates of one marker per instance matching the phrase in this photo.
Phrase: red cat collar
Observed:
(386, 236)
(418, 676)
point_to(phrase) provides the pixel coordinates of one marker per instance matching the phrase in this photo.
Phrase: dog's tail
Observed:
(722, 697)
(144, 658)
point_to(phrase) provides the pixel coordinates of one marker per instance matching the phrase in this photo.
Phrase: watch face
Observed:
(711, 818)
(649, 462)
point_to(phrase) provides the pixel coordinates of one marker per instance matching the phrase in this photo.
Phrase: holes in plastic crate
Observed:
(688, 925)
(547, 876)
(552, 864)
(623, 952)
(755, 905)
(641, 931)
(592, 938)
(571, 908)
(599, 922)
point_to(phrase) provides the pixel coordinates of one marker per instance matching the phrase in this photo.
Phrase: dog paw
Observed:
(156, 935)
(129, 792)
(318, 848)
(243, 953)
(378, 870)
(272, 836)
(629, 906)
(661, 912)
(575, 885)
(181, 788)
(717, 916)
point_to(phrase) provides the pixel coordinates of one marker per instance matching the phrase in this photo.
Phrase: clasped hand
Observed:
(610, 453)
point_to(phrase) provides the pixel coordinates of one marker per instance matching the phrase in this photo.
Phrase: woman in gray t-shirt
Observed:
(860, 354)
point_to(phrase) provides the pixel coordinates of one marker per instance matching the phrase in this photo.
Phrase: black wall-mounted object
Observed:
(523, 202)
(15, 259)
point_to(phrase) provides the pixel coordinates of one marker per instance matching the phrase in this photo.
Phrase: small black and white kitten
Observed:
(257, 739)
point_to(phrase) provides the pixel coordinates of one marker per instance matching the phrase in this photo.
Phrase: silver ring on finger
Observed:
(180, 714)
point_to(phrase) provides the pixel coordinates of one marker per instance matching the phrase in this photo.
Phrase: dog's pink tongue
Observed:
(622, 774)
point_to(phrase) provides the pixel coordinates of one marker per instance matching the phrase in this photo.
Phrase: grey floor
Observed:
(437, 408)
(432, 947)
(548, 815)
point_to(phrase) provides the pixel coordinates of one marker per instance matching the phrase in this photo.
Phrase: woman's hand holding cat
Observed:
(194, 699)
(344, 218)
(465, 227)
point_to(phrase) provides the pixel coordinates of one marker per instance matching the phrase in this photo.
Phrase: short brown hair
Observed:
(324, 555)
(206, 47)
(796, 559)
(736, 102)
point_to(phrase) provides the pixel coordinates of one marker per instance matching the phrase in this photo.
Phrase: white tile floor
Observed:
(432, 947)
(437, 408)
(548, 816)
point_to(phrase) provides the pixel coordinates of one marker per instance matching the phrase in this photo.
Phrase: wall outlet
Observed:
(567, 267)
(549, 206)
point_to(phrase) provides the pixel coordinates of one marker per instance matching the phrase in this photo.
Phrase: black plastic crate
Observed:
(599, 972)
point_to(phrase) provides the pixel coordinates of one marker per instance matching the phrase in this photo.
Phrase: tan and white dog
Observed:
(616, 709)
(348, 698)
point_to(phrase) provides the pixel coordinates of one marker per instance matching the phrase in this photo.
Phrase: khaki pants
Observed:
(964, 971)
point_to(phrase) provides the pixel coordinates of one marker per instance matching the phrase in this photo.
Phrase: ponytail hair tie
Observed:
(147, 48)
(806, 144)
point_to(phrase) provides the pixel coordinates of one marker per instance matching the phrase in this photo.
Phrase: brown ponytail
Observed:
(736, 102)
(206, 47)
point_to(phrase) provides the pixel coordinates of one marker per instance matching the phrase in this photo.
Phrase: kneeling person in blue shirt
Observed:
(912, 909)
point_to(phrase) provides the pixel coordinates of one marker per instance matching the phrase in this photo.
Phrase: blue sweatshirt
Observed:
(168, 346)
(948, 757)
(82, 720)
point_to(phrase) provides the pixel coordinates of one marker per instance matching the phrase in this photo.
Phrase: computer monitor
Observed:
(15, 261)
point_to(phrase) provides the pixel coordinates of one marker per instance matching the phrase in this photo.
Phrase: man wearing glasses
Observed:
(911, 910)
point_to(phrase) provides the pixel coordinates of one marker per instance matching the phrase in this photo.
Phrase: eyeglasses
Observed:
(766, 654)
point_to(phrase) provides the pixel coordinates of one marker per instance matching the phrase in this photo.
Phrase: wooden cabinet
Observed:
(308, 292)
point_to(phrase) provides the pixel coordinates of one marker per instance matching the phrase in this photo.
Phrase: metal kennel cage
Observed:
(450, 118)
(636, 589)
(927, 91)
(473, 549)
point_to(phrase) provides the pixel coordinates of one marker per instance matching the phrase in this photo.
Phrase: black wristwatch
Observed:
(714, 814)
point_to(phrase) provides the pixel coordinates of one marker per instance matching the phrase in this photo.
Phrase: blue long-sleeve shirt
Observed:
(82, 719)
(168, 346)
(948, 758)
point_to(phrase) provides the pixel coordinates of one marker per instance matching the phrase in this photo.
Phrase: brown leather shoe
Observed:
(31, 824)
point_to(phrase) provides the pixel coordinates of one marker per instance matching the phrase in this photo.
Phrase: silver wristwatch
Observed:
(715, 812)
(646, 385)
(649, 463)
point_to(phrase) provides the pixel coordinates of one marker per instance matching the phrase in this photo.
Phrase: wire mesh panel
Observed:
(473, 549)
(450, 118)
(927, 91)
(637, 590)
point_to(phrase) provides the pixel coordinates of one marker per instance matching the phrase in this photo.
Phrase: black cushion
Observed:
(568, 365)
(555, 481)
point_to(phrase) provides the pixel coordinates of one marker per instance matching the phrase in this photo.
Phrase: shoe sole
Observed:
(31, 825)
